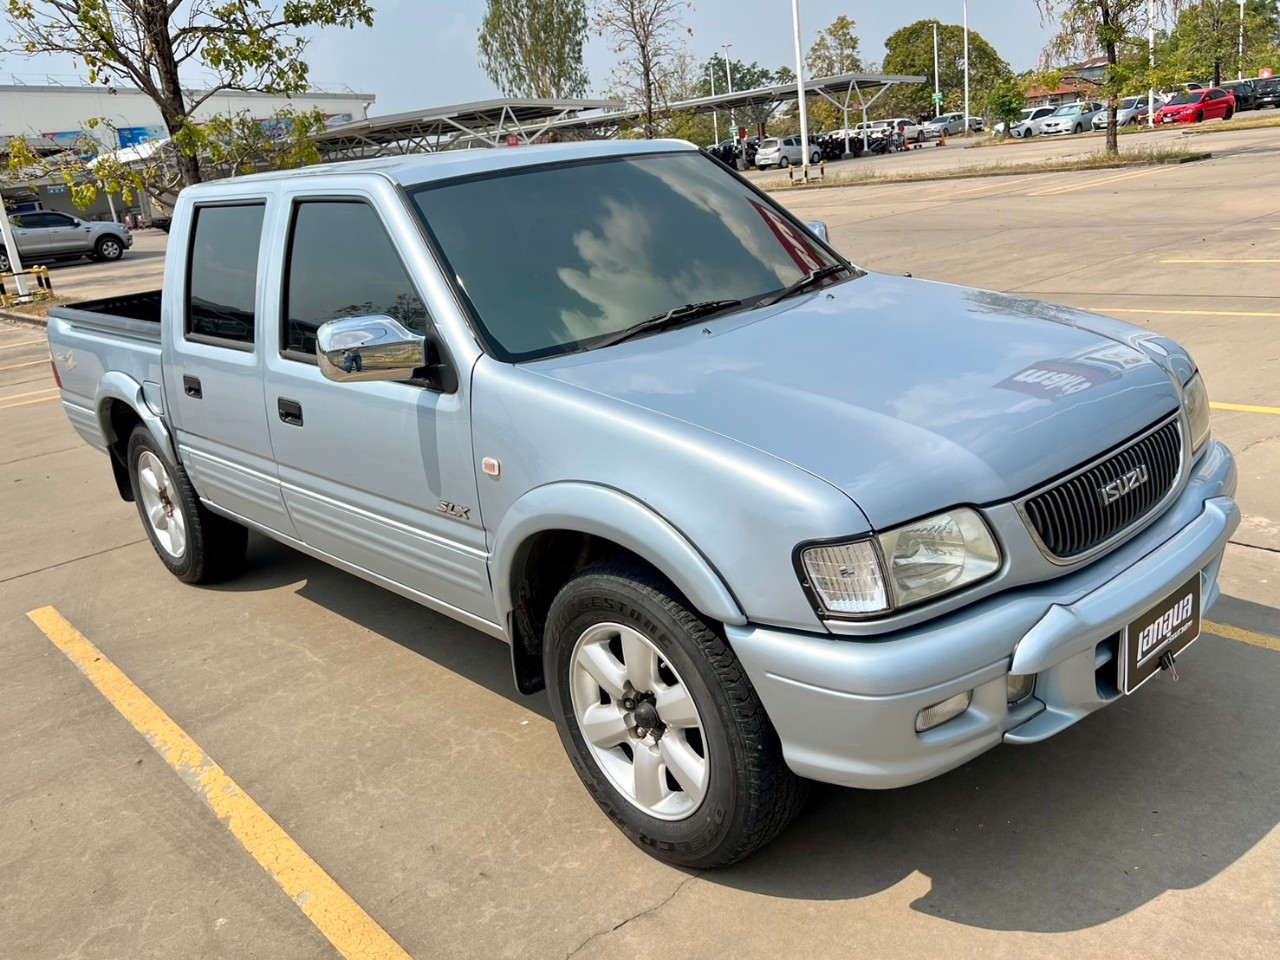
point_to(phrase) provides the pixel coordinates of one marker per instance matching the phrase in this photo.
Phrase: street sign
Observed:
(513, 140)
(1264, 73)
(937, 99)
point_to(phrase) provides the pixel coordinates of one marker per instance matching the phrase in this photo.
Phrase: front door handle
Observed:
(191, 387)
(290, 411)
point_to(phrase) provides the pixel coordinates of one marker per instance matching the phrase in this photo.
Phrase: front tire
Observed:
(108, 248)
(661, 722)
(196, 545)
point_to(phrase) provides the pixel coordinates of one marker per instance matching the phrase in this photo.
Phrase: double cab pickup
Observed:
(752, 515)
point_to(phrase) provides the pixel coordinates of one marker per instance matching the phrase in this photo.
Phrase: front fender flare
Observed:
(610, 514)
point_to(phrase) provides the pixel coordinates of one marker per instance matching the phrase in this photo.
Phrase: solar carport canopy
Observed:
(483, 123)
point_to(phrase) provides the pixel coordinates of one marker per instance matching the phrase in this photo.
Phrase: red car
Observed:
(1193, 106)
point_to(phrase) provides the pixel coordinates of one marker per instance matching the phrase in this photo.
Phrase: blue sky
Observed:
(423, 52)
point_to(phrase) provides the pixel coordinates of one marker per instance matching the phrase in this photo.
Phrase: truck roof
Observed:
(412, 169)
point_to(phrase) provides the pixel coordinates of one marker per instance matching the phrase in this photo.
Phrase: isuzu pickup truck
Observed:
(752, 515)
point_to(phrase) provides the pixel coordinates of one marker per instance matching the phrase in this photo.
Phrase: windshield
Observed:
(1190, 96)
(1067, 111)
(552, 257)
(768, 144)
(1132, 102)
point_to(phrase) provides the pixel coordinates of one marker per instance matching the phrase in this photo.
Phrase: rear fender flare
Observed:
(120, 386)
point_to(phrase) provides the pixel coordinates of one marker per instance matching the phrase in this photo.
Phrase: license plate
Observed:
(1168, 627)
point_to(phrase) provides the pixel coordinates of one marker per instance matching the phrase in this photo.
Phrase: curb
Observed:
(780, 187)
(25, 319)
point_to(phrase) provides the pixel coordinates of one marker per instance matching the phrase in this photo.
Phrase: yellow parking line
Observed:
(27, 403)
(1184, 313)
(1244, 636)
(1245, 408)
(21, 343)
(29, 363)
(353, 932)
(1053, 191)
(1220, 261)
(29, 393)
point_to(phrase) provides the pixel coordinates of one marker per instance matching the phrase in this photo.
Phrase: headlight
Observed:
(1195, 400)
(915, 562)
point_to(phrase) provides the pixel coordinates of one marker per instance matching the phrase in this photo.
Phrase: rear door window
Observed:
(222, 272)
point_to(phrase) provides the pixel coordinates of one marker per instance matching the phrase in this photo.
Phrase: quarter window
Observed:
(222, 289)
(342, 264)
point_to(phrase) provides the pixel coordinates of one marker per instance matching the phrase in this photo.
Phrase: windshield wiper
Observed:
(672, 318)
(807, 280)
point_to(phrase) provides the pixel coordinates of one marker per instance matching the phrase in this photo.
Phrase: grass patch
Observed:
(1092, 161)
(1236, 123)
(36, 311)
(995, 141)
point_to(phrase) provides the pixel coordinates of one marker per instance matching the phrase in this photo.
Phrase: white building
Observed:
(62, 113)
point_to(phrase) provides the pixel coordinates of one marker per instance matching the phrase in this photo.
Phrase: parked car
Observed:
(46, 235)
(1071, 118)
(1130, 112)
(162, 223)
(1029, 124)
(1245, 93)
(912, 131)
(952, 124)
(747, 512)
(783, 152)
(1267, 92)
(977, 124)
(1195, 106)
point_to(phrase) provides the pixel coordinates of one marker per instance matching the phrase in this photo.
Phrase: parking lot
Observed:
(390, 746)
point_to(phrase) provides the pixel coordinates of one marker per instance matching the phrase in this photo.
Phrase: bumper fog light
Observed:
(1018, 686)
(940, 713)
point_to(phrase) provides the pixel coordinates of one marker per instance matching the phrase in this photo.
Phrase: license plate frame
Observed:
(1144, 641)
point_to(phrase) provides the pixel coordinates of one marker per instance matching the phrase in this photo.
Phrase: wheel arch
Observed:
(553, 531)
(121, 405)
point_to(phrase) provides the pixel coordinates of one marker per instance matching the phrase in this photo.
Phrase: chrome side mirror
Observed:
(819, 230)
(360, 349)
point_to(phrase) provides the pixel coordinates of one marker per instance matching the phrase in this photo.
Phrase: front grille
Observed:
(1071, 517)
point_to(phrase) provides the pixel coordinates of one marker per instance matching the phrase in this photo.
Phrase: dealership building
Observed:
(53, 117)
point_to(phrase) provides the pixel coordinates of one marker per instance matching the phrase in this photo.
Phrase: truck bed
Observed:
(103, 348)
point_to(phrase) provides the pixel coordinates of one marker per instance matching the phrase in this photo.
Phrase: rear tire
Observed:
(682, 757)
(1230, 113)
(4, 261)
(196, 545)
(784, 163)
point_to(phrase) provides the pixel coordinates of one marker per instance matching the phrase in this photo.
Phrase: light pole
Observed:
(715, 114)
(966, 68)
(1151, 61)
(804, 120)
(728, 72)
(1240, 61)
(937, 87)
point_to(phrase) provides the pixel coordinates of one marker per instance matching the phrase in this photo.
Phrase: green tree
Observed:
(643, 35)
(1117, 28)
(910, 51)
(1005, 101)
(1204, 43)
(746, 76)
(533, 48)
(243, 44)
(835, 52)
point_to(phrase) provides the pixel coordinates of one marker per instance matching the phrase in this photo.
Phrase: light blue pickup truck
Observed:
(752, 515)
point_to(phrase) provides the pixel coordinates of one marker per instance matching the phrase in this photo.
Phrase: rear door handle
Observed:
(191, 386)
(290, 411)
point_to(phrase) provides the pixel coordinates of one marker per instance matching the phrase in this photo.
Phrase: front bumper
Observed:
(845, 710)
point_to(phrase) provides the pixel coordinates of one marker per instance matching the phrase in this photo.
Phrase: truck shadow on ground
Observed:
(1159, 792)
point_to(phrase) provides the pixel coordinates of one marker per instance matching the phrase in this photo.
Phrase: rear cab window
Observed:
(222, 273)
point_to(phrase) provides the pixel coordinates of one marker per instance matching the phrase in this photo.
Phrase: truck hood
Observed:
(907, 395)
